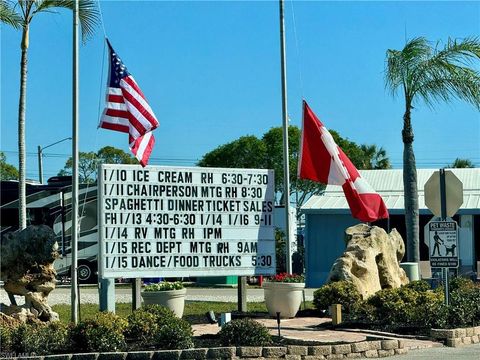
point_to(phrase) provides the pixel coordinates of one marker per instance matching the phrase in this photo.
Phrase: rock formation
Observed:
(27, 270)
(371, 260)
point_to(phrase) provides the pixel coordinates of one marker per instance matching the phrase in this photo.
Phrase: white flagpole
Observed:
(286, 169)
(75, 115)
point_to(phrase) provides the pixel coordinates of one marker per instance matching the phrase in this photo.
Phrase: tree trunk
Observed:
(22, 201)
(410, 190)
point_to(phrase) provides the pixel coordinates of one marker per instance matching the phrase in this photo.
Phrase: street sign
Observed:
(443, 243)
(453, 193)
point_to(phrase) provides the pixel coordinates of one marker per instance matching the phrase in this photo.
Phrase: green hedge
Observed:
(103, 333)
(40, 339)
(416, 307)
(154, 325)
(244, 332)
(338, 292)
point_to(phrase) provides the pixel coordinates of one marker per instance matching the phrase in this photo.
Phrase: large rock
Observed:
(371, 260)
(27, 270)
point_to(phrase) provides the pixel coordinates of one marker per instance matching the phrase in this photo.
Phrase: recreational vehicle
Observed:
(51, 205)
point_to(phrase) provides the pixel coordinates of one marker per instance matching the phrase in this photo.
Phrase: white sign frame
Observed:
(185, 221)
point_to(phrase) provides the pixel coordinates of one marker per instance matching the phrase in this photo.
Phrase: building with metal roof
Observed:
(328, 215)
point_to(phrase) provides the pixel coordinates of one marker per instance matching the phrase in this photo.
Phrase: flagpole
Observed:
(74, 204)
(286, 168)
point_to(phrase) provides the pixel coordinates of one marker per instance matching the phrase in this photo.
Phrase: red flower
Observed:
(287, 278)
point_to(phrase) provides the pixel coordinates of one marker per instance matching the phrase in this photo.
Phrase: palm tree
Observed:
(19, 16)
(426, 73)
(374, 158)
(461, 164)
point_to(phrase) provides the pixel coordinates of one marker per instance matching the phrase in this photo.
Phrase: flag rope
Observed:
(101, 19)
(297, 48)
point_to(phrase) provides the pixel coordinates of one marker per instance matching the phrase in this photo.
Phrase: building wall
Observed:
(466, 249)
(324, 243)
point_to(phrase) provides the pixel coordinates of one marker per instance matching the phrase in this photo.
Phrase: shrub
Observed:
(6, 333)
(244, 332)
(6, 338)
(460, 283)
(102, 333)
(338, 292)
(158, 325)
(362, 312)
(158, 311)
(40, 339)
(406, 307)
(173, 333)
(464, 305)
(142, 325)
(418, 285)
(464, 309)
(415, 306)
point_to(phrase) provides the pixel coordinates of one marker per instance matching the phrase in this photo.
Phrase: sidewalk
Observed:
(306, 330)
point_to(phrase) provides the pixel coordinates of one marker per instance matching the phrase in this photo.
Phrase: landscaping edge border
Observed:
(457, 337)
(364, 349)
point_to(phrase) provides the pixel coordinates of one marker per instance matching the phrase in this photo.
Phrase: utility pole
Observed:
(40, 158)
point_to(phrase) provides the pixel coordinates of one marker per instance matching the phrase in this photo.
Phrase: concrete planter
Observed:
(172, 299)
(283, 297)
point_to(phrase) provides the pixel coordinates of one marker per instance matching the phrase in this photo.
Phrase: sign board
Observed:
(185, 222)
(443, 243)
(453, 193)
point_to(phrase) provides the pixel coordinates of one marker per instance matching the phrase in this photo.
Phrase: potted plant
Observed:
(168, 294)
(283, 294)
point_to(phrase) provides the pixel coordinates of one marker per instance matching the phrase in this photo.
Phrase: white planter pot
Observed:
(172, 299)
(284, 298)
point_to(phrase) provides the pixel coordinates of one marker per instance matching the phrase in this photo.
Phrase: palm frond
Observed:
(431, 74)
(464, 52)
(394, 71)
(457, 83)
(88, 13)
(400, 65)
(9, 16)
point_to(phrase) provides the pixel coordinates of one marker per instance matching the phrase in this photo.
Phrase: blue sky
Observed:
(211, 72)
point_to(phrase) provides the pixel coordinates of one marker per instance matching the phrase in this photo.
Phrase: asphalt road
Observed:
(468, 352)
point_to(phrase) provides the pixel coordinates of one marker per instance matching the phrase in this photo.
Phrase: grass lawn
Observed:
(194, 311)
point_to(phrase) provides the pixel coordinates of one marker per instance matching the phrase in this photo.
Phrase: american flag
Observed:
(127, 110)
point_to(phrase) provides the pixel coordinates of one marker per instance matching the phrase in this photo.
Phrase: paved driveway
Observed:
(124, 295)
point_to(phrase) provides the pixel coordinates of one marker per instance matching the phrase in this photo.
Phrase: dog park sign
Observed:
(443, 244)
(185, 221)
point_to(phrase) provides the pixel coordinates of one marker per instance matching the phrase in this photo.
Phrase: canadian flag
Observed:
(322, 160)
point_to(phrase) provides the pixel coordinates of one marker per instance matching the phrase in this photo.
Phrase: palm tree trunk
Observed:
(410, 190)
(22, 200)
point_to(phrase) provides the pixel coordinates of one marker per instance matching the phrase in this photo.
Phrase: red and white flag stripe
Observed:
(322, 160)
(142, 147)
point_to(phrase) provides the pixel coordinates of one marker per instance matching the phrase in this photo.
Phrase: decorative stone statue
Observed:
(27, 270)
(371, 260)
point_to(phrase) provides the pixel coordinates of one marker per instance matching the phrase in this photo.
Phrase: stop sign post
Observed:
(443, 196)
(451, 192)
